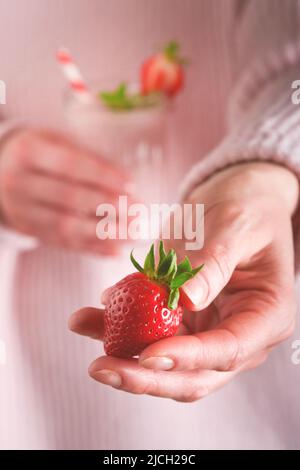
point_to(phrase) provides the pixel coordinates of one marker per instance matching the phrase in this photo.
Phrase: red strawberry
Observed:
(144, 306)
(163, 72)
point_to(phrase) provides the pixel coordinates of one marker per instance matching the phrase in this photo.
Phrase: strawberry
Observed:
(163, 72)
(145, 306)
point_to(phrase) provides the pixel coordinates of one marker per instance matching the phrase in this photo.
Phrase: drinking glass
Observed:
(133, 139)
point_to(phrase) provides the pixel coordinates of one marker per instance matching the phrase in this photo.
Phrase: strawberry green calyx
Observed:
(171, 51)
(167, 271)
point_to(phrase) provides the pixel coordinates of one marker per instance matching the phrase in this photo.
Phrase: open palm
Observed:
(238, 307)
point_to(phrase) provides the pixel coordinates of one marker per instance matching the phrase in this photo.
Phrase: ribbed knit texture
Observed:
(264, 123)
(46, 397)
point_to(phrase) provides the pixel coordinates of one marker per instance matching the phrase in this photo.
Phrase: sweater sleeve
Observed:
(9, 238)
(263, 122)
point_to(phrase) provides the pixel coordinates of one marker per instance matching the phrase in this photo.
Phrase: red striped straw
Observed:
(72, 74)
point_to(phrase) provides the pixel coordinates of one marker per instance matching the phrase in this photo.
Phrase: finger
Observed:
(129, 376)
(52, 223)
(231, 236)
(215, 349)
(78, 165)
(257, 360)
(220, 260)
(88, 321)
(66, 195)
(60, 228)
(106, 294)
(205, 320)
(234, 342)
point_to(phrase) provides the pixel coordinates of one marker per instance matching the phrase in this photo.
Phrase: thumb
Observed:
(219, 261)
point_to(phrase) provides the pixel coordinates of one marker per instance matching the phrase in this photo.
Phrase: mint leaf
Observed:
(120, 99)
(117, 99)
(121, 91)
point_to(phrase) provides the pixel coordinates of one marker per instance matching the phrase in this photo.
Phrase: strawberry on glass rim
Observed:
(163, 72)
(145, 306)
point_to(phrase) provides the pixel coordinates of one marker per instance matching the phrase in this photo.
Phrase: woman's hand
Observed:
(50, 189)
(241, 304)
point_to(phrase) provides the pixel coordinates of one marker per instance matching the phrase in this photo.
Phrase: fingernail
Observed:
(158, 363)
(108, 377)
(193, 292)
